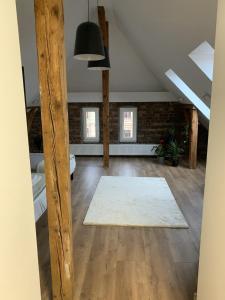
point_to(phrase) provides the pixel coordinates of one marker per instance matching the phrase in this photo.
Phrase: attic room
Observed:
(112, 154)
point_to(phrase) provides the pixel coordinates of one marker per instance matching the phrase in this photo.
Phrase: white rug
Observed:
(134, 201)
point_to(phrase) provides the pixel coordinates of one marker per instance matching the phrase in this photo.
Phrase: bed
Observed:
(38, 183)
(39, 194)
(37, 163)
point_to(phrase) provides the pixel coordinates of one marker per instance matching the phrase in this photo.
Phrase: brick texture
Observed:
(153, 120)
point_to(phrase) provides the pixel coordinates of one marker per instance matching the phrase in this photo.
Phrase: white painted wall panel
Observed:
(114, 149)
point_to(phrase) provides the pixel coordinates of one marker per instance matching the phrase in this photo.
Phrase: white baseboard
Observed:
(114, 149)
(97, 149)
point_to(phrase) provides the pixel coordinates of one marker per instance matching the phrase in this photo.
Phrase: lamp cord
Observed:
(88, 11)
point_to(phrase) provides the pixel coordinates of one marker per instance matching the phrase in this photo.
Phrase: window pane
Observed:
(128, 120)
(203, 56)
(90, 124)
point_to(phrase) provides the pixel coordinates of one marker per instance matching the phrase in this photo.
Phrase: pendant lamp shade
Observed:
(89, 43)
(100, 65)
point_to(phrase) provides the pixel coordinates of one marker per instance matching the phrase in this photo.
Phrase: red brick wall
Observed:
(35, 134)
(154, 119)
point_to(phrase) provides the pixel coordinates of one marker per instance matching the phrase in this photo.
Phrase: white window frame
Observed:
(134, 138)
(84, 111)
(188, 93)
(203, 57)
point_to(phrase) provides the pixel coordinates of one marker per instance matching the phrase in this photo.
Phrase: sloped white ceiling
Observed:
(147, 37)
(128, 73)
(165, 32)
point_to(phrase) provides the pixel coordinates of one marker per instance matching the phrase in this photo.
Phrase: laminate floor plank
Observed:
(128, 263)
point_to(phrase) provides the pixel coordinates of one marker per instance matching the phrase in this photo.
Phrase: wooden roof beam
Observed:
(105, 87)
(53, 87)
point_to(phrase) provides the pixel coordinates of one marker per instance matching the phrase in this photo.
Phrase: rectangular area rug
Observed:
(134, 201)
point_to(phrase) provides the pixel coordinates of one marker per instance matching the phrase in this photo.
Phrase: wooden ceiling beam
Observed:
(193, 138)
(102, 24)
(53, 87)
(105, 87)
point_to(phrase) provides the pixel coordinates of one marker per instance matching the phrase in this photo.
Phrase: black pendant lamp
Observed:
(100, 65)
(89, 43)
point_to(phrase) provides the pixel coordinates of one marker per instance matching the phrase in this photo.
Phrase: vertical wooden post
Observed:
(193, 138)
(52, 75)
(105, 87)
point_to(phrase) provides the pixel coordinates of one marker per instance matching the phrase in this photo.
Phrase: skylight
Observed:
(203, 57)
(184, 88)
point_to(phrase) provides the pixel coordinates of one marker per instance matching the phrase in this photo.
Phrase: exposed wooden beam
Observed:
(103, 25)
(105, 87)
(105, 84)
(52, 76)
(193, 138)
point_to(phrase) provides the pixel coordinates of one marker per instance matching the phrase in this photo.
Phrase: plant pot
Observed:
(175, 162)
(161, 160)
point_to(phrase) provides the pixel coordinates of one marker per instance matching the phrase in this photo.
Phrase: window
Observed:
(184, 88)
(128, 124)
(91, 124)
(203, 57)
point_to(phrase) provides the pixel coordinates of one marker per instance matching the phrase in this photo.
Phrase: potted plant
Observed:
(174, 153)
(160, 151)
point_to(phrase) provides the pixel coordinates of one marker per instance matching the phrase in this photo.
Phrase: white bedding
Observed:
(39, 186)
(39, 194)
(38, 183)
(37, 162)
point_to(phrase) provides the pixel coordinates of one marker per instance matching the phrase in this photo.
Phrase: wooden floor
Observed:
(126, 263)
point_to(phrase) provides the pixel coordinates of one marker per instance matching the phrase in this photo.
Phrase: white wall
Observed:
(26, 21)
(129, 97)
(19, 277)
(114, 149)
(212, 257)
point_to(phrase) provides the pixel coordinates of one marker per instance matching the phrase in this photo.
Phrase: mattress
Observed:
(39, 195)
(38, 184)
(40, 205)
(41, 165)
